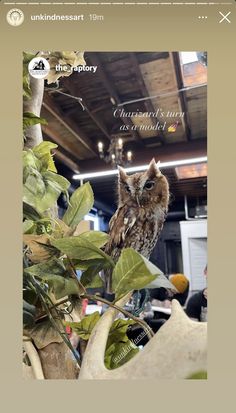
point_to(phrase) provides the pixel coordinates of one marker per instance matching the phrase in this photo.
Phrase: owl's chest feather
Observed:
(137, 228)
(146, 228)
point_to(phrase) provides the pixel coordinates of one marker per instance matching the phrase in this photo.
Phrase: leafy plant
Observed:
(80, 203)
(52, 255)
(27, 57)
(130, 273)
(64, 58)
(29, 119)
(119, 348)
(42, 186)
(85, 326)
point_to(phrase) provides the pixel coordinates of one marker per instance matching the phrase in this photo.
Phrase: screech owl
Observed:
(142, 208)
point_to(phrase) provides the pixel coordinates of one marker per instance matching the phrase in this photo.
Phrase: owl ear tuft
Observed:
(153, 169)
(122, 173)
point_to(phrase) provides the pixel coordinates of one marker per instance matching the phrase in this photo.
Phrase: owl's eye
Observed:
(127, 188)
(149, 185)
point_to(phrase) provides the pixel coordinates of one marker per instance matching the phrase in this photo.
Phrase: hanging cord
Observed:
(56, 89)
(79, 100)
(160, 95)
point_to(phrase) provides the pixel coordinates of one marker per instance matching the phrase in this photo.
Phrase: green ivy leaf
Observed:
(119, 353)
(34, 185)
(38, 250)
(30, 213)
(119, 348)
(30, 119)
(90, 277)
(28, 226)
(26, 86)
(85, 326)
(43, 153)
(43, 148)
(130, 273)
(54, 178)
(33, 194)
(53, 266)
(49, 249)
(84, 265)
(96, 282)
(44, 333)
(160, 280)
(81, 203)
(61, 286)
(79, 248)
(27, 57)
(97, 238)
(53, 273)
(42, 191)
(118, 331)
(42, 187)
(30, 162)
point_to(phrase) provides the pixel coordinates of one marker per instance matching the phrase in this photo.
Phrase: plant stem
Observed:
(74, 275)
(43, 297)
(44, 314)
(143, 324)
(63, 335)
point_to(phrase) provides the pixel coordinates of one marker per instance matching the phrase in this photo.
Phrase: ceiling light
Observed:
(115, 154)
(171, 164)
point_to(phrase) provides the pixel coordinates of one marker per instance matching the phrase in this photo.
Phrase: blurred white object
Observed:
(161, 309)
(92, 308)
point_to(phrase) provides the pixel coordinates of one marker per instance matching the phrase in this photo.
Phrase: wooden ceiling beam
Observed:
(172, 152)
(76, 91)
(107, 82)
(175, 60)
(142, 86)
(50, 104)
(53, 135)
(67, 161)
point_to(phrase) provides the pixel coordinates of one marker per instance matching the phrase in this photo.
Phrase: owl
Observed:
(143, 200)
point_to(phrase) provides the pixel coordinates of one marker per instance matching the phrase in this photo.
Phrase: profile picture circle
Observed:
(15, 17)
(38, 67)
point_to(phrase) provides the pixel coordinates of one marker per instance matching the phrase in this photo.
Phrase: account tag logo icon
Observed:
(15, 17)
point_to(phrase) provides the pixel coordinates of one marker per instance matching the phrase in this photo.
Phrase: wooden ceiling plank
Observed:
(95, 60)
(52, 107)
(142, 86)
(175, 60)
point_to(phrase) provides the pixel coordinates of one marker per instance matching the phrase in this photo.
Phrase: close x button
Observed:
(224, 17)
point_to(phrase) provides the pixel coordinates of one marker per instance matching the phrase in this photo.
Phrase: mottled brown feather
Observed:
(142, 208)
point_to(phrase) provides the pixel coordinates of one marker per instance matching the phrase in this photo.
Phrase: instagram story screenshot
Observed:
(117, 154)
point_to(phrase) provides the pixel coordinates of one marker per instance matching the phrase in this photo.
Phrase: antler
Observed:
(177, 350)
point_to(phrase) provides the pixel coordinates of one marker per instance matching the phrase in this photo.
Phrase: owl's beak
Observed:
(137, 199)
